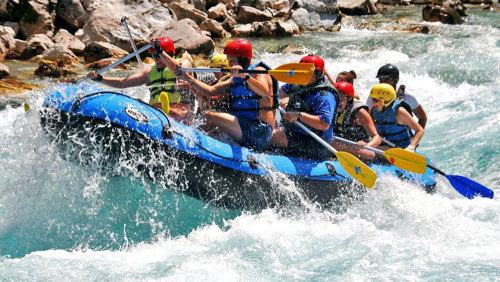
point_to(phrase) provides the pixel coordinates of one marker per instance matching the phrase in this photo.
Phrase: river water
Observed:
(62, 221)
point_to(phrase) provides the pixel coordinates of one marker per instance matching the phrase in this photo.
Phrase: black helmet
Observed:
(388, 71)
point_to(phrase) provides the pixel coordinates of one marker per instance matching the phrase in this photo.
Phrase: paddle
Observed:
(121, 61)
(465, 186)
(126, 58)
(124, 23)
(356, 168)
(401, 158)
(295, 73)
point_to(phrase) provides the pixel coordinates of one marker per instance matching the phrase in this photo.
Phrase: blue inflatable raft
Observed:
(85, 121)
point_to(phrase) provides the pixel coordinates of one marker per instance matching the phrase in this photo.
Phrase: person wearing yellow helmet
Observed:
(393, 118)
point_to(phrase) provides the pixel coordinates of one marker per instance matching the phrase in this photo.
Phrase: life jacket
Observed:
(297, 99)
(345, 124)
(165, 80)
(245, 102)
(387, 127)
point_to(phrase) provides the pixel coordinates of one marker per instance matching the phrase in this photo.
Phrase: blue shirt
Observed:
(321, 105)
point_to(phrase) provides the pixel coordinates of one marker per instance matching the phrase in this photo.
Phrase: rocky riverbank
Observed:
(65, 37)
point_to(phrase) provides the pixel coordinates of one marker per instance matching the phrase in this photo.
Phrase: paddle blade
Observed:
(357, 169)
(469, 188)
(294, 73)
(406, 160)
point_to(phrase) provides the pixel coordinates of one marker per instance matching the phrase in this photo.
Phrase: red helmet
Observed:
(166, 43)
(319, 64)
(345, 87)
(239, 48)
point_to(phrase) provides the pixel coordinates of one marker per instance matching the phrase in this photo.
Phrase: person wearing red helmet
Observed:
(352, 121)
(313, 105)
(160, 77)
(252, 115)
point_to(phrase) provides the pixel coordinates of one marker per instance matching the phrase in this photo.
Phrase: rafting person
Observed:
(348, 76)
(352, 121)
(162, 76)
(254, 98)
(313, 105)
(215, 103)
(393, 119)
(390, 74)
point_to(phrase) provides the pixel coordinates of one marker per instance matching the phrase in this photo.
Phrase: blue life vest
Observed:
(387, 127)
(245, 102)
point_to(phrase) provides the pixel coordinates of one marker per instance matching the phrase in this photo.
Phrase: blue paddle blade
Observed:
(469, 188)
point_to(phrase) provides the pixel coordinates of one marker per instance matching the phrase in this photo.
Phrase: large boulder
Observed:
(54, 69)
(248, 14)
(215, 28)
(188, 11)
(187, 36)
(7, 42)
(71, 14)
(446, 15)
(58, 52)
(12, 10)
(94, 51)
(357, 7)
(324, 6)
(66, 39)
(104, 23)
(36, 45)
(218, 12)
(306, 20)
(39, 18)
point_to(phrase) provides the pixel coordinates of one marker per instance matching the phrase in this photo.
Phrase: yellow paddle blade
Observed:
(294, 73)
(357, 169)
(165, 104)
(406, 160)
(26, 107)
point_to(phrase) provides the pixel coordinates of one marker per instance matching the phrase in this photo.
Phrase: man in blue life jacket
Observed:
(390, 74)
(160, 76)
(313, 105)
(392, 118)
(254, 98)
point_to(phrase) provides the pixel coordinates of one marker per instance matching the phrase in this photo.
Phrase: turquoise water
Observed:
(62, 221)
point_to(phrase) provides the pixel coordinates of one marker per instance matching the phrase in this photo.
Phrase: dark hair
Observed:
(349, 76)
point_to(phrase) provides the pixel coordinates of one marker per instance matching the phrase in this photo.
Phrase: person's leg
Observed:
(225, 122)
(279, 139)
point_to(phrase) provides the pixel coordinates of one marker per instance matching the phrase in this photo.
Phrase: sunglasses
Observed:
(155, 56)
(375, 100)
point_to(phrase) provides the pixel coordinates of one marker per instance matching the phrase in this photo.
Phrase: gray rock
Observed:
(38, 19)
(66, 39)
(248, 14)
(187, 36)
(72, 13)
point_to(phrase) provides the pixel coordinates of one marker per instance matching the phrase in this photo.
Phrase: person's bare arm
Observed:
(136, 79)
(404, 118)
(421, 115)
(366, 121)
(219, 89)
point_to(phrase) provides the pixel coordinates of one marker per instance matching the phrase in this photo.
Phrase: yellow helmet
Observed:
(384, 92)
(219, 61)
